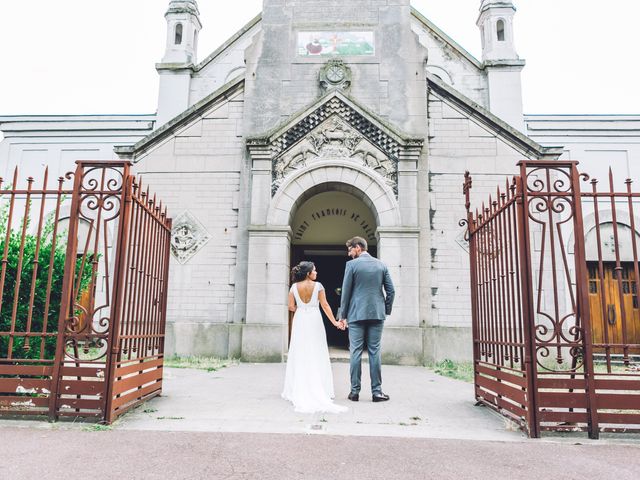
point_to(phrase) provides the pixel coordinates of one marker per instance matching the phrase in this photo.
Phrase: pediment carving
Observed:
(334, 139)
(335, 106)
(335, 128)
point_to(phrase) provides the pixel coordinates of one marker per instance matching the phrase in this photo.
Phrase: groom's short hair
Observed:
(355, 241)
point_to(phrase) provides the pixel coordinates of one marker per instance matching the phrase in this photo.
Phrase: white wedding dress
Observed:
(308, 382)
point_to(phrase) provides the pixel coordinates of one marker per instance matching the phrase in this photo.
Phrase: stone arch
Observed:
(441, 73)
(605, 218)
(334, 175)
(233, 73)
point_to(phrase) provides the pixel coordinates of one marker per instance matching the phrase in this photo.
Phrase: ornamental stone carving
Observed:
(356, 120)
(187, 237)
(335, 74)
(334, 140)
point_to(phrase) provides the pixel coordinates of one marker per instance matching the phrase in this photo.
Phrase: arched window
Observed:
(178, 39)
(500, 30)
(195, 39)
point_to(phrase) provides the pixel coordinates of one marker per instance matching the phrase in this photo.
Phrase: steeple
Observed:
(176, 66)
(496, 29)
(502, 64)
(183, 26)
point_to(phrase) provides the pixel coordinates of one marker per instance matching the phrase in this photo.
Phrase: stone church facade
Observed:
(321, 120)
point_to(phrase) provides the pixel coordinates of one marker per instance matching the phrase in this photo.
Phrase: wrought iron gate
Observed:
(544, 354)
(83, 291)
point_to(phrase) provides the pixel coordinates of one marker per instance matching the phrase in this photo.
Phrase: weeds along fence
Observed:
(554, 282)
(83, 289)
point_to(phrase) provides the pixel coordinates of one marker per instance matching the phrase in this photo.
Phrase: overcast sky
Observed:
(98, 56)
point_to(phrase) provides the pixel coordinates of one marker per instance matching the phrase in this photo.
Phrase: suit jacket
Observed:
(362, 296)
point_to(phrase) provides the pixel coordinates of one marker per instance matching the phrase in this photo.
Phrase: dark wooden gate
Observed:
(554, 274)
(83, 285)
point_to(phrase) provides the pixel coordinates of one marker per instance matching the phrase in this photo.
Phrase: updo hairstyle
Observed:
(300, 271)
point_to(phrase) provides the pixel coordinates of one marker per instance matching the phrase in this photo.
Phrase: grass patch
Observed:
(210, 364)
(97, 427)
(457, 370)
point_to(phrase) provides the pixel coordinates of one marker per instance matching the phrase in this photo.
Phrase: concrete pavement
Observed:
(232, 424)
(246, 398)
(62, 455)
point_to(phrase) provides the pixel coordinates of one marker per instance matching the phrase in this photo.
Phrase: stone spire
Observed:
(502, 64)
(176, 67)
(496, 29)
(183, 26)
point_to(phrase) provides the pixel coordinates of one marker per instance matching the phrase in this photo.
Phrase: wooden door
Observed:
(613, 299)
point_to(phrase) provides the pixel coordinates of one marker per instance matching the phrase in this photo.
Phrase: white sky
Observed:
(98, 56)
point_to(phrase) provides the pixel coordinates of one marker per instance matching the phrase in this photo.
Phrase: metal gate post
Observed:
(528, 317)
(122, 243)
(66, 300)
(583, 315)
(473, 256)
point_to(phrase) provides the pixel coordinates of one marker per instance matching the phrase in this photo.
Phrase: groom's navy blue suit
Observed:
(365, 307)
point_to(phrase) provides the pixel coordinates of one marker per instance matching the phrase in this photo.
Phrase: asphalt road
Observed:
(31, 453)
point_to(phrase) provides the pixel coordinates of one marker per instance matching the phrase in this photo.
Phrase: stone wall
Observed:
(389, 83)
(457, 143)
(450, 63)
(198, 170)
(222, 65)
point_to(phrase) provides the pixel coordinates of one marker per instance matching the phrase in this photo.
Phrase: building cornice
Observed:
(445, 38)
(519, 141)
(226, 45)
(185, 117)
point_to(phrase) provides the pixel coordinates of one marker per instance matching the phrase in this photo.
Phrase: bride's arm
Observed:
(292, 302)
(322, 297)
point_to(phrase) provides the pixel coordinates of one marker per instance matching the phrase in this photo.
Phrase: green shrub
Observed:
(48, 249)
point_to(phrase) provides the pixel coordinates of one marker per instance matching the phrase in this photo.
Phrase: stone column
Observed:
(264, 334)
(408, 182)
(402, 337)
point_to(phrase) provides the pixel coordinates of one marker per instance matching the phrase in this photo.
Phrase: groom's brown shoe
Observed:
(354, 397)
(380, 397)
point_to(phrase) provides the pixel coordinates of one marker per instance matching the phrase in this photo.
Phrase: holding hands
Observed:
(341, 324)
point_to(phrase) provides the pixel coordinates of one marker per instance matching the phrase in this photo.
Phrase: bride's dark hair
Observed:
(300, 271)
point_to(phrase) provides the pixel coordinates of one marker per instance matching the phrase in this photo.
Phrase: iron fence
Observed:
(556, 323)
(83, 285)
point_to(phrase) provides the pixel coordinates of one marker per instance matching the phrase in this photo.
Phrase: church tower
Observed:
(175, 68)
(503, 66)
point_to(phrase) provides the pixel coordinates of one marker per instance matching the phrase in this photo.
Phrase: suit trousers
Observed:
(371, 331)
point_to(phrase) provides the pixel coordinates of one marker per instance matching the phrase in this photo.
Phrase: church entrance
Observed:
(321, 226)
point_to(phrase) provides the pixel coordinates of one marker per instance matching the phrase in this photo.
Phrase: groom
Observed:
(363, 307)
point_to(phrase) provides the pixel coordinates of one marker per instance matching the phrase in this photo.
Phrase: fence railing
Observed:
(556, 323)
(83, 284)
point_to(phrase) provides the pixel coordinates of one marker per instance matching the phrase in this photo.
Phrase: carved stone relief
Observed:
(336, 140)
(336, 107)
(187, 237)
(335, 74)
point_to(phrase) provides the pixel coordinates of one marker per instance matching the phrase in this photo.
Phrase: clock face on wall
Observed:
(335, 73)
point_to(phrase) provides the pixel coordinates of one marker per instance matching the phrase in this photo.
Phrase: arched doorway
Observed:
(264, 332)
(321, 225)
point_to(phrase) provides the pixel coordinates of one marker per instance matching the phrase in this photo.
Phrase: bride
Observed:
(308, 382)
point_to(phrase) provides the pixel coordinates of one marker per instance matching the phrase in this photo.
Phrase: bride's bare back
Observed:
(305, 290)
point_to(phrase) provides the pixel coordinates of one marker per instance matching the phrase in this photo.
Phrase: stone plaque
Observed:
(187, 237)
